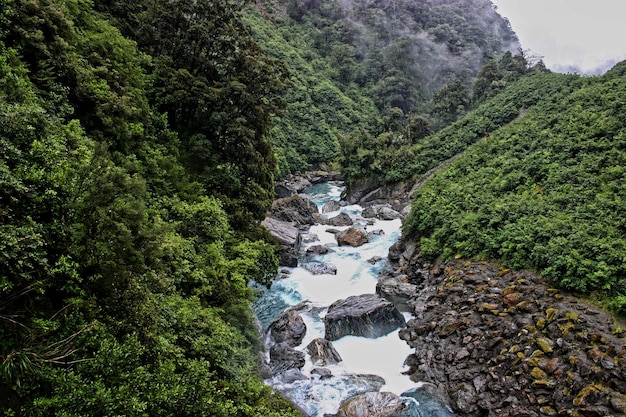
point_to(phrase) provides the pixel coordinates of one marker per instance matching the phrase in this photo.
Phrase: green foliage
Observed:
(410, 159)
(350, 63)
(123, 283)
(544, 192)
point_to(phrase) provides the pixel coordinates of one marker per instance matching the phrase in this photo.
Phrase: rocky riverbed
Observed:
(497, 342)
(505, 343)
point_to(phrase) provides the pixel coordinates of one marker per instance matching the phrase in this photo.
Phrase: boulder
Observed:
(320, 268)
(401, 252)
(291, 185)
(397, 289)
(323, 373)
(332, 205)
(369, 212)
(352, 236)
(387, 213)
(288, 328)
(294, 209)
(288, 237)
(372, 404)
(381, 211)
(375, 259)
(290, 376)
(284, 357)
(323, 352)
(342, 219)
(318, 250)
(367, 315)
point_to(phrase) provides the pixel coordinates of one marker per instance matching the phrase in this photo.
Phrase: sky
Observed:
(582, 36)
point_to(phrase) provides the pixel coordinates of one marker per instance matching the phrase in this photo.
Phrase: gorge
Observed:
(479, 334)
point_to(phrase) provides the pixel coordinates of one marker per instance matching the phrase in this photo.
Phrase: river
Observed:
(383, 356)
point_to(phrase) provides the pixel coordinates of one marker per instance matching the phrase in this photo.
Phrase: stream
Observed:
(361, 357)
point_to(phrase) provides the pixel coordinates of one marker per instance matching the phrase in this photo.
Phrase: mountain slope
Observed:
(544, 192)
(351, 63)
(123, 269)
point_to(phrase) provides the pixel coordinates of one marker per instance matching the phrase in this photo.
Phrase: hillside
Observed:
(130, 194)
(542, 192)
(355, 65)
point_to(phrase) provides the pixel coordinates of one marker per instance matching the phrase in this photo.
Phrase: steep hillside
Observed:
(130, 190)
(543, 192)
(353, 64)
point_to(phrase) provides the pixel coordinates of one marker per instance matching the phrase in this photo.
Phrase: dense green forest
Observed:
(543, 192)
(139, 144)
(133, 174)
(372, 66)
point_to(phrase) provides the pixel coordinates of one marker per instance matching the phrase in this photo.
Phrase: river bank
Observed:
(500, 342)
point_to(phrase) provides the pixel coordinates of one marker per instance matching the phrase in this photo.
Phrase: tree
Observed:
(450, 103)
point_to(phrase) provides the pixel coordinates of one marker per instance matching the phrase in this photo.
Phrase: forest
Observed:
(139, 145)
(133, 175)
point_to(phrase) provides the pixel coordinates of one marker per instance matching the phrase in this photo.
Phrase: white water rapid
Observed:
(383, 356)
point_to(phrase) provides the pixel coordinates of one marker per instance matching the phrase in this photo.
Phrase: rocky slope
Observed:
(500, 342)
(504, 343)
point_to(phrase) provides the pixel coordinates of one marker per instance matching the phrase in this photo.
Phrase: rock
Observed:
(367, 315)
(369, 212)
(396, 289)
(381, 212)
(332, 205)
(318, 250)
(352, 236)
(464, 398)
(342, 219)
(323, 352)
(292, 375)
(387, 213)
(295, 209)
(375, 259)
(432, 401)
(372, 404)
(323, 373)
(402, 252)
(320, 268)
(290, 185)
(288, 328)
(545, 344)
(283, 357)
(288, 237)
(310, 238)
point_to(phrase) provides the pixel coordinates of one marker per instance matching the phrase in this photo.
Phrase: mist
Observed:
(573, 36)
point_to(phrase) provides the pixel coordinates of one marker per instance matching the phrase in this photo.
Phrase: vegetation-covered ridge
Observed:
(132, 177)
(361, 65)
(544, 192)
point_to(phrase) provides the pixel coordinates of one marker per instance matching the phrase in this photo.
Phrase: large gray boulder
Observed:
(372, 404)
(317, 250)
(381, 212)
(332, 205)
(352, 236)
(342, 219)
(288, 237)
(284, 357)
(323, 352)
(291, 185)
(397, 289)
(288, 328)
(367, 315)
(294, 209)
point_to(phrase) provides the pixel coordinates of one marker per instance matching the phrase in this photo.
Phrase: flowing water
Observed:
(383, 356)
